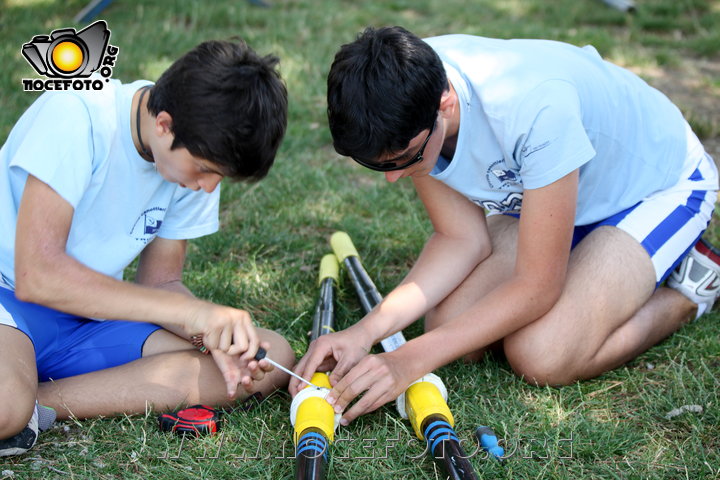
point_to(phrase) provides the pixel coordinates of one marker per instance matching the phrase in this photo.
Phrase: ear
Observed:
(448, 101)
(163, 124)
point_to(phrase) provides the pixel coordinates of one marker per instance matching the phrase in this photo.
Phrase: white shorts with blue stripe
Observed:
(668, 223)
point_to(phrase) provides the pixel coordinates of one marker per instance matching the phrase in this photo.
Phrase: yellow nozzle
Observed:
(329, 267)
(316, 412)
(321, 380)
(423, 399)
(343, 246)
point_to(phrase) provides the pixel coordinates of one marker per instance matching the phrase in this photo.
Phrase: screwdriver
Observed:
(261, 353)
(489, 442)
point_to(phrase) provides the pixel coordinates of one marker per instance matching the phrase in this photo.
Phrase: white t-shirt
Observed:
(80, 144)
(532, 111)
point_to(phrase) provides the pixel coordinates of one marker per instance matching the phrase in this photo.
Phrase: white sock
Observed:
(46, 416)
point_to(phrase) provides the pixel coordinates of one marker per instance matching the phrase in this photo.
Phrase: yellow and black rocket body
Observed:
(424, 403)
(313, 418)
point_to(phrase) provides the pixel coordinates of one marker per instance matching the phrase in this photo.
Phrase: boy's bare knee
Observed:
(19, 381)
(545, 379)
(14, 416)
(539, 366)
(544, 374)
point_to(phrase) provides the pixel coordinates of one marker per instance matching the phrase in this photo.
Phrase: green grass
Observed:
(275, 232)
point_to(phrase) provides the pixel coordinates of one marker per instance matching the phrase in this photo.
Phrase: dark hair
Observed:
(228, 105)
(383, 89)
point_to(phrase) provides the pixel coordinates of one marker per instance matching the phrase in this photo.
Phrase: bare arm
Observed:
(460, 241)
(161, 266)
(544, 240)
(47, 275)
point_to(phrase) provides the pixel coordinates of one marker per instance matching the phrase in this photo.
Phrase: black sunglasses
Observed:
(392, 166)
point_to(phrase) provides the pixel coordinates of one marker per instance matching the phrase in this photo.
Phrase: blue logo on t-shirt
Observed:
(498, 175)
(505, 175)
(152, 225)
(148, 224)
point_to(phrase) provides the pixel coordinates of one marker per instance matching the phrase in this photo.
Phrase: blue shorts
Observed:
(66, 345)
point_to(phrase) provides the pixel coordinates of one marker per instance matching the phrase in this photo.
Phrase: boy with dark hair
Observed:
(562, 190)
(90, 181)
(215, 116)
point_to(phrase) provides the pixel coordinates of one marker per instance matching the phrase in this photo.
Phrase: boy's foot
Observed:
(42, 418)
(698, 276)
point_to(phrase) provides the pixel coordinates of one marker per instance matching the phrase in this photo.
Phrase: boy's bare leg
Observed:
(495, 269)
(18, 377)
(171, 373)
(608, 314)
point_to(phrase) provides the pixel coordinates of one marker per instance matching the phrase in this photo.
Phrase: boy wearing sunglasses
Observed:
(563, 191)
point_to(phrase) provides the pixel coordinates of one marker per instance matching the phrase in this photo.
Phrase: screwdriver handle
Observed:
(489, 442)
(261, 353)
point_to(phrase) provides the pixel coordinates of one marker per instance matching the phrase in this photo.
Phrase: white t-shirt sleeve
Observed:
(58, 148)
(191, 215)
(550, 140)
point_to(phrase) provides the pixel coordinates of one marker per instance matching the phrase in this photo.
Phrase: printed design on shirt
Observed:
(499, 176)
(148, 224)
(510, 204)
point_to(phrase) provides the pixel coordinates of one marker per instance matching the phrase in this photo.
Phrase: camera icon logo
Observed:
(66, 53)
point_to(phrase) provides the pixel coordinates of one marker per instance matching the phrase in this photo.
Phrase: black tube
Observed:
(366, 290)
(443, 444)
(444, 448)
(324, 317)
(311, 455)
